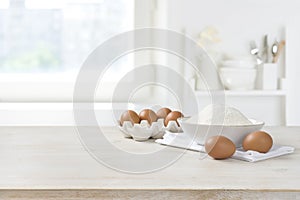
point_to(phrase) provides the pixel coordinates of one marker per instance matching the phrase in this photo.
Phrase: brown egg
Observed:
(148, 115)
(173, 116)
(130, 115)
(258, 141)
(219, 147)
(163, 112)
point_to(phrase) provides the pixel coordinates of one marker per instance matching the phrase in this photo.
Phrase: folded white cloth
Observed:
(181, 140)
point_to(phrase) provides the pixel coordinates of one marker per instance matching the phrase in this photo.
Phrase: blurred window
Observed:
(56, 36)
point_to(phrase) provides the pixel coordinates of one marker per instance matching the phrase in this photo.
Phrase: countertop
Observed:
(50, 162)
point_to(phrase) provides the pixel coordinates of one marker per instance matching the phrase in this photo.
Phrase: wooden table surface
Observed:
(50, 162)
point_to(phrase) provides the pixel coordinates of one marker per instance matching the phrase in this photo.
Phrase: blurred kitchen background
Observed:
(254, 44)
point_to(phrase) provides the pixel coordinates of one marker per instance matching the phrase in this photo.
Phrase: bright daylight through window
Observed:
(56, 36)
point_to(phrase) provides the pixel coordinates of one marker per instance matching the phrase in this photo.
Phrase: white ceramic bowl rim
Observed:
(238, 62)
(234, 69)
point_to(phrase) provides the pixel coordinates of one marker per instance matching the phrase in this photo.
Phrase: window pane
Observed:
(57, 36)
(4, 4)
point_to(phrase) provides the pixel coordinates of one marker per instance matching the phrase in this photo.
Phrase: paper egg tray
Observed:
(143, 131)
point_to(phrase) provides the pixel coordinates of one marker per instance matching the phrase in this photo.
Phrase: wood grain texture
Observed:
(144, 194)
(50, 162)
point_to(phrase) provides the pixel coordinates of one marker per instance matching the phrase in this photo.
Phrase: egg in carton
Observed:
(143, 131)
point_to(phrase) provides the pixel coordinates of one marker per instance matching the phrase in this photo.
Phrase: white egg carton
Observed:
(143, 131)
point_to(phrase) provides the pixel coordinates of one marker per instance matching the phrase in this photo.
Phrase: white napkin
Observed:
(181, 140)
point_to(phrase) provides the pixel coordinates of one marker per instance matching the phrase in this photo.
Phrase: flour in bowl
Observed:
(217, 114)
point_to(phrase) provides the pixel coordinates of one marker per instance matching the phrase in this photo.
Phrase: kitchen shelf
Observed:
(246, 93)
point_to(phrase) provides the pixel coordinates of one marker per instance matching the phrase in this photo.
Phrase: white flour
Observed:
(219, 115)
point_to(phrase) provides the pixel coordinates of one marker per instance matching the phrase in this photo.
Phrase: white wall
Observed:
(238, 23)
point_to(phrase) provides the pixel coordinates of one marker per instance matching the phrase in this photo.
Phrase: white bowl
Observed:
(238, 79)
(201, 132)
(239, 64)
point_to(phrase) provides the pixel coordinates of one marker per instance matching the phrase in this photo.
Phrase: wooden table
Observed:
(51, 163)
